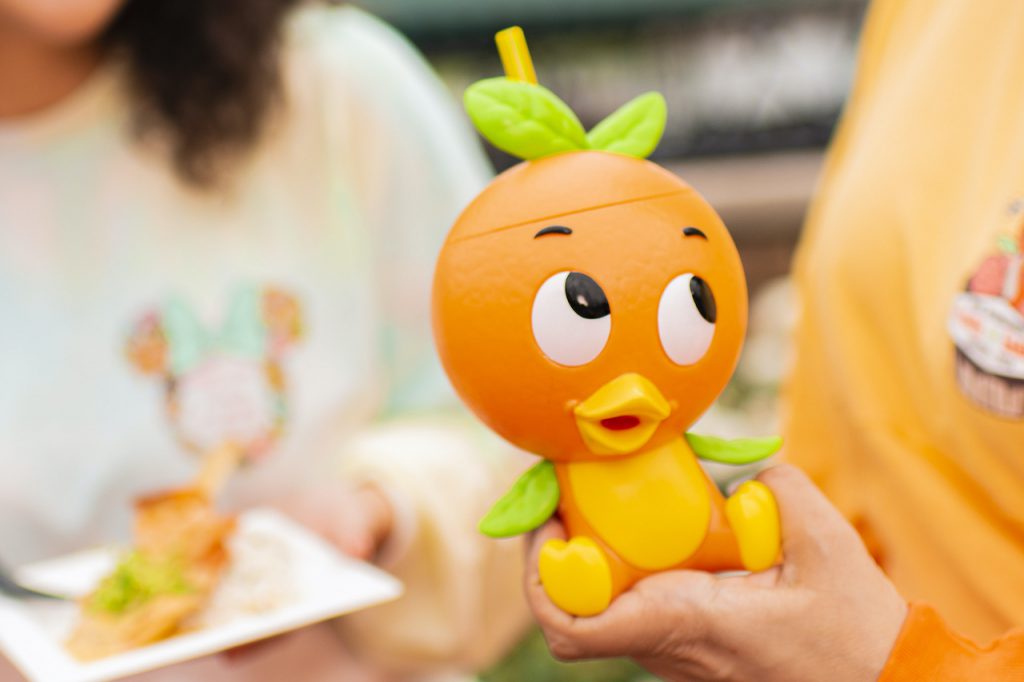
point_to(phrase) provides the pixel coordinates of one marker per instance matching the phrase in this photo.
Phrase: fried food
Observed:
(179, 557)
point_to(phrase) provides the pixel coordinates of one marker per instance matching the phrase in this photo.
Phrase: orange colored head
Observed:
(589, 304)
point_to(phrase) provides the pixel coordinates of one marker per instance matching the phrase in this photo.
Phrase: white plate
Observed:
(311, 582)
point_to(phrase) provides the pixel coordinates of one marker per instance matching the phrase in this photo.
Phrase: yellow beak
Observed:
(621, 416)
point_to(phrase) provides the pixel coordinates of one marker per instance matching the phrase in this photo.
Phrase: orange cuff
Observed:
(927, 649)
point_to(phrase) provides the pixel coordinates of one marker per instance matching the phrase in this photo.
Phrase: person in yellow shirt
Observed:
(906, 400)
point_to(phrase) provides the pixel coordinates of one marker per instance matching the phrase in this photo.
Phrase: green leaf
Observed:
(736, 451)
(523, 119)
(530, 502)
(633, 129)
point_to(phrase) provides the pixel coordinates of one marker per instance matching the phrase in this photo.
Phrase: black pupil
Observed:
(703, 299)
(585, 296)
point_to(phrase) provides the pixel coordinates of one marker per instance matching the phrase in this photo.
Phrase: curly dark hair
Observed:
(202, 73)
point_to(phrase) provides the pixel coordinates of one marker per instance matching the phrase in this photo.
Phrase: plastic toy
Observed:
(589, 306)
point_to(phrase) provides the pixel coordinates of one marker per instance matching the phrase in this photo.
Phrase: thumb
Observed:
(814, 532)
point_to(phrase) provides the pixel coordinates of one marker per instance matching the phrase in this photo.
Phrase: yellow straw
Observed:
(515, 55)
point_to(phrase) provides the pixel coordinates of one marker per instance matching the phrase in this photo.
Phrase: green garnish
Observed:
(137, 579)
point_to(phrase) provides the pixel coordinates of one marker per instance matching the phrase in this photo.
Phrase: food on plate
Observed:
(179, 558)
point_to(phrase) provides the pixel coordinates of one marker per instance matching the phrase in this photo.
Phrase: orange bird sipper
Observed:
(589, 306)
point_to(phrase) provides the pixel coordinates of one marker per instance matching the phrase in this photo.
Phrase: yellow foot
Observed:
(576, 576)
(754, 518)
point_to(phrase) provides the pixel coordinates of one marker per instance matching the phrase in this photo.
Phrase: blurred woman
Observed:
(217, 224)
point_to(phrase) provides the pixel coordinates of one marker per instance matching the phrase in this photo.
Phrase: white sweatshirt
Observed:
(294, 313)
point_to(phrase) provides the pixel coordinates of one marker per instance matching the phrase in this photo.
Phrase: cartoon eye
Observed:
(686, 319)
(571, 318)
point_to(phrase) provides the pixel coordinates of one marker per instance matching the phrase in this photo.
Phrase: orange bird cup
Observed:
(589, 306)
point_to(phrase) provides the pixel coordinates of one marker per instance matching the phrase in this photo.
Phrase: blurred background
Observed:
(754, 89)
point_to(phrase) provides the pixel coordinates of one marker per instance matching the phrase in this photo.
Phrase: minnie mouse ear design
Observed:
(222, 385)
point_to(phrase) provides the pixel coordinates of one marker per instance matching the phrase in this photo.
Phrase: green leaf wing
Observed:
(530, 502)
(633, 129)
(523, 119)
(736, 451)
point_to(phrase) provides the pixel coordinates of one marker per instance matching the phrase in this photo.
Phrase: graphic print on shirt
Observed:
(986, 323)
(223, 385)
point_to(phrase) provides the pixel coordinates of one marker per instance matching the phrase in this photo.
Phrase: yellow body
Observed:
(652, 509)
(632, 516)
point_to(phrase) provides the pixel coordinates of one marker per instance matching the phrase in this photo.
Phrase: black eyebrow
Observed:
(553, 229)
(694, 232)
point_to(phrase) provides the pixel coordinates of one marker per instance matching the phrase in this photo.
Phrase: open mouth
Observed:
(621, 423)
(621, 416)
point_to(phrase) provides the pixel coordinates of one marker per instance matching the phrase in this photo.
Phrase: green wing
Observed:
(736, 451)
(530, 502)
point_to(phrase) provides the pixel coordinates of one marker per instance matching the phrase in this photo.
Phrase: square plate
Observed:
(282, 577)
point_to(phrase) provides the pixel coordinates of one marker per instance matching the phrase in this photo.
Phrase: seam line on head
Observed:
(575, 212)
